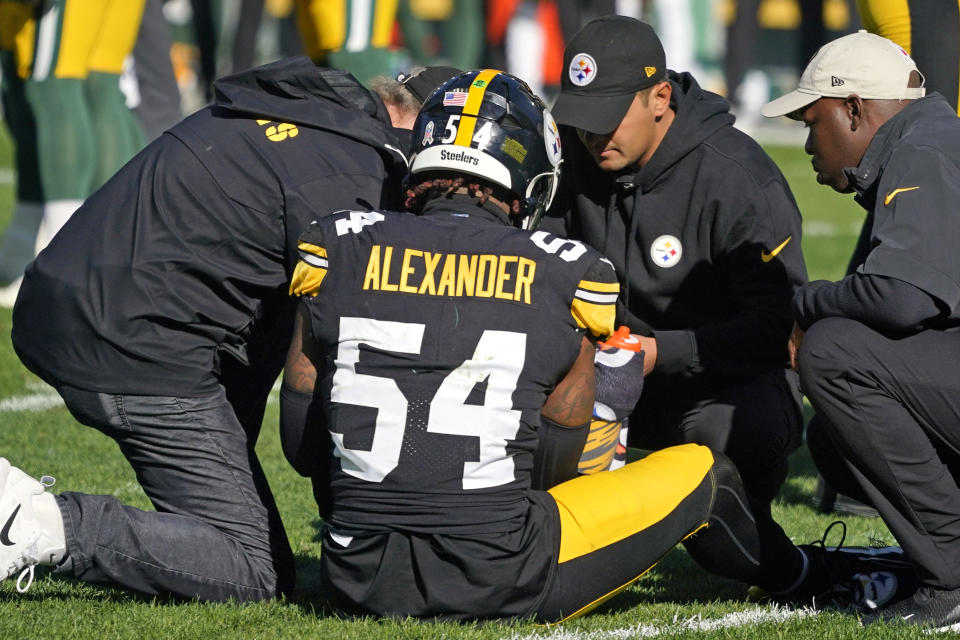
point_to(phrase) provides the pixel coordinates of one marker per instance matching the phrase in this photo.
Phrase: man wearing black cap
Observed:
(161, 314)
(705, 236)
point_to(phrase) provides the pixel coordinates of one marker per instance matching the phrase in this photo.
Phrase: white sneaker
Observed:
(8, 294)
(31, 527)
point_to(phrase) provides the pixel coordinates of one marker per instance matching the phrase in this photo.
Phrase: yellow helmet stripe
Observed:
(468, 120)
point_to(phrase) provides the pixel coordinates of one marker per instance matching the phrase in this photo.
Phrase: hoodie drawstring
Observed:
(623, 185)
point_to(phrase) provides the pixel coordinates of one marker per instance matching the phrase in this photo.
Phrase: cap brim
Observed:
(785, 105)
(596, 114)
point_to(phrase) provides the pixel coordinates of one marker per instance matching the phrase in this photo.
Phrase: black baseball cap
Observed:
(421, 83)
(606, 62)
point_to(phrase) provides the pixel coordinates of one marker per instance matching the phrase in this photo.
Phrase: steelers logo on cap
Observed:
(666, 251)
(583, 69)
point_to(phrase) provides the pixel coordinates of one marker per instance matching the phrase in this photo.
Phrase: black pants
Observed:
(888, 432)
(757, 423)
(216, 532)
(581, 542)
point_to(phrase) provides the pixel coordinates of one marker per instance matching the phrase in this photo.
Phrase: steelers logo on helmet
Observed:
(583, 69)
(489, 124)
(551, 137)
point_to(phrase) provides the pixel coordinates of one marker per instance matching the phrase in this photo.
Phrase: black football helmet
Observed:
(489, 124)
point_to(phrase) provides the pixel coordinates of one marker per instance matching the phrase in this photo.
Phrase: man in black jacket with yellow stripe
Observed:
(160, 314)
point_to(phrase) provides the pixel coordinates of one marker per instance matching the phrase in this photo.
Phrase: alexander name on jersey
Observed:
(396, 266)
(408, 270)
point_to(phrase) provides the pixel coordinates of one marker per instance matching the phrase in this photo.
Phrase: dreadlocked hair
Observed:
(435, 187)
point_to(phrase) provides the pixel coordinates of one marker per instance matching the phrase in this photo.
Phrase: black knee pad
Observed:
(730, 545)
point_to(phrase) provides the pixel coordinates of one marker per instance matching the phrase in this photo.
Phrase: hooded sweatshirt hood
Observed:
(699, 114)
(295, 90)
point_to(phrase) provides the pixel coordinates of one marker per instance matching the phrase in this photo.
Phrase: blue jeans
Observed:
(216, 533)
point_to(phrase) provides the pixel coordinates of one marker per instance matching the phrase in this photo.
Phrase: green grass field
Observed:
(675, 600)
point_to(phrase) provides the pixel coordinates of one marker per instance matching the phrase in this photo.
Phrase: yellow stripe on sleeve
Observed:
(310, 270)
(308, 247)
(598, 319)
(306, 280)
(594, 306)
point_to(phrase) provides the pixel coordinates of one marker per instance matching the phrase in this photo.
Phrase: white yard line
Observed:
(34, 402)
(826, 229)
(696, 624)
(819, 229)
(42, 398)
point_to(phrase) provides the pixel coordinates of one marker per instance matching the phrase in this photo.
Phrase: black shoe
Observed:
(856, 578)
(937, 609)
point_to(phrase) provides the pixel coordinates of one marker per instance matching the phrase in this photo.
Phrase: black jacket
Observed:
(182, 260)
(723, 307)
(904, 274)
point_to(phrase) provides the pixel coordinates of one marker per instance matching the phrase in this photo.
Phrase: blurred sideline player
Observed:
(929, 30)
(62, 61)
(354, 35)
(441, 379)
(447, 30)
(159, 105)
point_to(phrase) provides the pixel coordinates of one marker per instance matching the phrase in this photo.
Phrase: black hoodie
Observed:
(185, 255)
(697, 237)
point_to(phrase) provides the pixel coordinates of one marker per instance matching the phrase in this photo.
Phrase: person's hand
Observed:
(649, 346)
(793, 345)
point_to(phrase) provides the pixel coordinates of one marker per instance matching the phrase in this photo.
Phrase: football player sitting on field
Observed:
(443, 367)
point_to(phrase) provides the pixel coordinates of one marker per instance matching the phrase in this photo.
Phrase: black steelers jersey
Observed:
(443, 335)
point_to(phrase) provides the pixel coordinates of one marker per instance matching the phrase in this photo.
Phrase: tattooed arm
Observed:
(300, 373)
(303, 433)
(571, 403)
